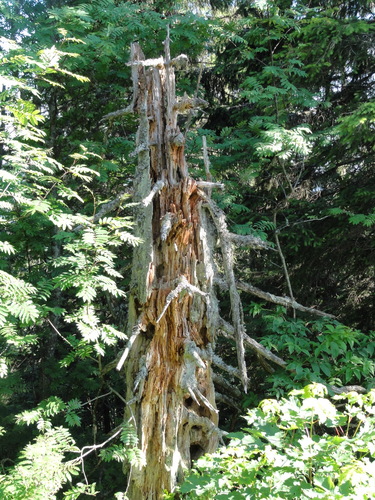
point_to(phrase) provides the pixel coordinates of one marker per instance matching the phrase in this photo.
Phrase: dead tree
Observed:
(173, 310)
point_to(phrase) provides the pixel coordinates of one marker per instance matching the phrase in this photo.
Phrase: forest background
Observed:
(289, 126)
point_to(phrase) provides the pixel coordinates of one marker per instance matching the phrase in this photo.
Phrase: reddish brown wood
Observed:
(168, 371)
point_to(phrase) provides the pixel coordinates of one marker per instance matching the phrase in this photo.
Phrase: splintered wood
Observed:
(172, 317)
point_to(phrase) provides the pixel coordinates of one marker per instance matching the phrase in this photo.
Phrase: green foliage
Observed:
(367, 220)
(325, 351)
(127, 451)
(41, 470)
(57, 269)
(41, 415)
(302, 446)
(290, 127)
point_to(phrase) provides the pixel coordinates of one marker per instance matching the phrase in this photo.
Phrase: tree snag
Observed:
(173, 311)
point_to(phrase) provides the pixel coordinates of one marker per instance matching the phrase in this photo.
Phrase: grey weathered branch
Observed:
(217, 361)
(282, 258)
(135, 332)
(120, 112)
(183, 285)
(193, 359)
(250, 241)
(203, 422)
(207, 165)
(228, 331)
(105, 209)
(347, 388)
(283, 301)
(230, 389)
(154, 191)
(139, 149)
(166, 225)
(270, 297)
(109, 206)
(157, 62)
(218, 217)
(227, 400)
(180, 61)
(206, 184)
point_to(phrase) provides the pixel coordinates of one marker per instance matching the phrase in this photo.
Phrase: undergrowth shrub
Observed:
(301, 447)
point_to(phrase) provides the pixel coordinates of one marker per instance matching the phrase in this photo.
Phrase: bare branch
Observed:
(141, 377)
(207, 164)
(110, 206)
(154, 191)
(86, 450)
(187, 103)
(282, 301)
(228, 331)
(217, 361)
(206, 184)
(221, 398)
(139, 149)
(193, 359)
(166, 225)
(183, 285)
(204, 400)
(136, 331)
(120, 112)
(157, 62)
(286, 273)
(347, 388)
(250, 241)
(180, 61)
(224, 384)
(105, 209)
(117, 394)
(270, 297)
(192, 351)
(203, 422)
(218, 217)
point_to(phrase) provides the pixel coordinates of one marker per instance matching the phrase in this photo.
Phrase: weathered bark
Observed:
(173, 310)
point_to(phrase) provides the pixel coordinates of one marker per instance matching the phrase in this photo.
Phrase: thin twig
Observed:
(191, 114)
(286, 273)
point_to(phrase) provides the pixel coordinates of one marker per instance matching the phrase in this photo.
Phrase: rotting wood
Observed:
(171, 304)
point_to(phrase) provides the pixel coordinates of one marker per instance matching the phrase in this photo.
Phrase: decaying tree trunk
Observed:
(173, 310)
